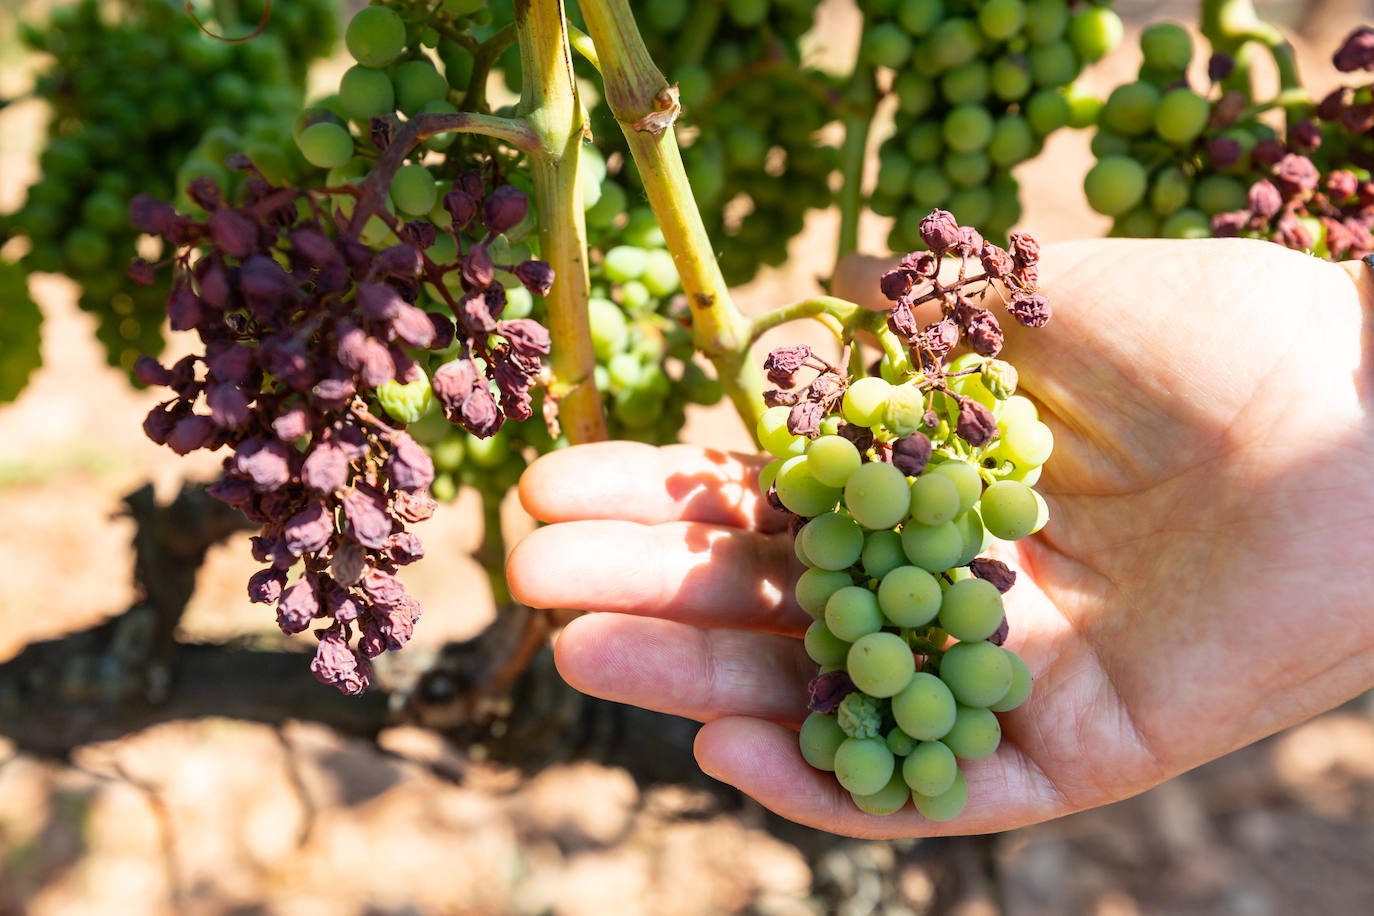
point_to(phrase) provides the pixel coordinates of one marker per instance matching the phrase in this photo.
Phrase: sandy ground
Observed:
(218, 816)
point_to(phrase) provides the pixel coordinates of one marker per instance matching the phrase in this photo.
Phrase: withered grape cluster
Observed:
(310, 339)
(899, 485)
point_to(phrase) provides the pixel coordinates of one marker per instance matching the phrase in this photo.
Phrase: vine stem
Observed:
(550, 105)
(1233, 26)
(636, 91)
(841, 310)
(860, 100)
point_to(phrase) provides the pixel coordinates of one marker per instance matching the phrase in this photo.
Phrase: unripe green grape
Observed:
(965, 477)
(1001, 19)
(1166, 46)
(623, 263)
(1020, 684)
(865, 400)
(1106, 143)
(773, 434)
(864, 765)
(815, 586)
(609, 332)
(1215, 194)
(972, 205)
(1182, 116)
(1170, 190)
(975, 734)
(448, 453)
(1012, 142)
(966, 84)
(890, 799)
(1094, 31)
(971, 610)
(821, 736)
(934, 499)
(930, 768)
(924, 142)
(375, 36)
(852, 612)
(1187, 223)
(406, 402)
(768, 473)
(86, 249)
(929, 188)
(882, 553)
(1052, 64)
(832, 459)
(825, 647)
(802, 493)
(915, 93)
(665, 15)
(925, 709)
(1009, 510)
(1010, 78)
(947, 805)
(1046, 20)
(660, 273)
(747, 13)
(894, 173)
(909, 596)
(877, 495)
(967, 170)
(1026, 443)
(953, 42)
(324, 144)
(1047, 111)
(885, 45)
(1015, 410)
(1115, 184)
(417, 84)
(967, 128)
(918, 17)
(413, 190)
(1084, 107)
(745, 146)
(880, 664)
(934, 548)
(976, 537)
(899, 742)
(832, 541)
(1130, 109)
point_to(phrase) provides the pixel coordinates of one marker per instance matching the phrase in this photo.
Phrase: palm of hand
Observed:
(1159, 610)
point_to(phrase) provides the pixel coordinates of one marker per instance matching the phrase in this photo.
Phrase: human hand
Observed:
(1202, 582)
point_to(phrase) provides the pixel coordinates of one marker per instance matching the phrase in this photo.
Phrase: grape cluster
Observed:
(132, 87)
(1316, 194)
(751, 118)
(20, 328)
(978, 86)
(898, 491)
(308, 335)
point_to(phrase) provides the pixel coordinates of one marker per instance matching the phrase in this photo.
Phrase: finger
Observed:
(683, 670)
(762, 760)
(642, 483)
(705, 575)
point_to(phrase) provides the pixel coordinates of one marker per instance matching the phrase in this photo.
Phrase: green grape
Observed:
(376, 35)
(769, 473)
(1166, 47)
(603, 213)
(953, 42)
(694, 84)
(748, 13)
(772, 433)
(1016, 410)
(325, 145)
(965, 171)
(1130, 109)
(924, 709)
(418, 83)
(882, 553)
(885, 45)
(660, 273)
(624, 263)
(1187, 224)
(971, 610)
(666, 15)
(894, 173)
(519, 303)
(966, 84)
(976, 538)
(406, 402)
(1084, 107)
(1001, 19)
(919, 16)
(945, 806)
(832, 459)
(975, 733)
(915, 93)
(924, 142)
(1052, 64)
(413, 190)
(1010, 78)
(860, 716)
(880, 664)
(968, 128)
(444, 488)
(905, 409)
(1094, 31)
(934, 548)
(1182, 116)
(964, 475)
(1170, 190)
(852, 612)
(1047, 111)
(1136, 223)
(448, 453)
(1026, 443)
(1115, 184)
(832, 541)
(1105, 143)
(1046, 20)
(929, 188)
(610, 334)
(642, 230)
(909, 596)
(890, 799)
(824, 647)
(1009, 510)
(1013, 141)
(934, 499)
(815, 586)
(930, 768)
(877, 495)
(1215, 194)
(1020, 684)
(801, 492)
(745, 146)
(976, 673)
(864, 765)
(899, 742)
(86, 249)
(821, 736)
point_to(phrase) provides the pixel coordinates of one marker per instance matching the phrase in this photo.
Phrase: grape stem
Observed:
(483, 59)
(1233, 27)
(841, 310)
(635, 88)
(582, 43)
(861, 98)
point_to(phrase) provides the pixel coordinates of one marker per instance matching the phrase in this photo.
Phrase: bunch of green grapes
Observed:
(1170, 158)
(132, 87)
(909, 621)
(979, 84)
